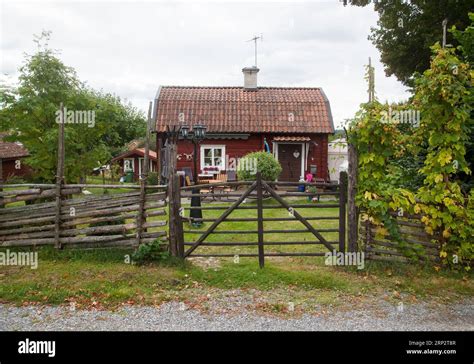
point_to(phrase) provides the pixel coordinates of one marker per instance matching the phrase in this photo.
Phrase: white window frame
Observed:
(132, 164)
(212, 146)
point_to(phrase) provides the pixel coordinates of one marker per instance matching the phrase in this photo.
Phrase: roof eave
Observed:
(328, 109)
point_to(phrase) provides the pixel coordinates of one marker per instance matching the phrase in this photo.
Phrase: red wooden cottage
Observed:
(11, 159)
(133, 161)
(295, 123)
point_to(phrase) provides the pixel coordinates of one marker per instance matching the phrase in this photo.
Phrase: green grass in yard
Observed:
(97, 180)
(235, 227)
(247, 274)
(86, 276)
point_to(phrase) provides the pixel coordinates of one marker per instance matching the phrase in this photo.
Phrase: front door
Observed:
(290, 156)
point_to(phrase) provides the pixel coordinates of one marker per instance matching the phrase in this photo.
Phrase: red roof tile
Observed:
(235, 110)
(10, 150)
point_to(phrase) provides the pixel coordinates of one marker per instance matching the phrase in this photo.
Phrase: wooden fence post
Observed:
(1, 182)
(342, 210)
(368, 237)
(143, 177)
(59, 180)
(176, 235)
(173, 192)
(352, 191)
(261, 252)
(173, 216)
(179, 218)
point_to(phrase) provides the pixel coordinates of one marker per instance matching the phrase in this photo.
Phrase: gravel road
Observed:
(177, 317)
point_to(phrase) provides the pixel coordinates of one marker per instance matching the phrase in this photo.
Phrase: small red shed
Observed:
(11, 158)
(133, 161)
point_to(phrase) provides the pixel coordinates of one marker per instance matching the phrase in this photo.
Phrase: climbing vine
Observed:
(443, 95)
(378, 143)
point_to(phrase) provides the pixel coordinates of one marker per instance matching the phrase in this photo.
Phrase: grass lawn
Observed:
(238, 227)
(97, 180)
(101, 278)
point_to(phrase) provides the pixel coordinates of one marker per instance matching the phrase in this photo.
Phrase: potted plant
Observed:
(314, 190)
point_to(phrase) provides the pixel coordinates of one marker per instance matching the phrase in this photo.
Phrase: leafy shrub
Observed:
(263, 162)
(155, 251)
(153, 179)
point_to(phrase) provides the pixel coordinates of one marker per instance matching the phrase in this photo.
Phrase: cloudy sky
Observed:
(130, 48)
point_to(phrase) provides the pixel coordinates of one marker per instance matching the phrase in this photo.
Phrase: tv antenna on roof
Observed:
(445, 24)
(254, 39)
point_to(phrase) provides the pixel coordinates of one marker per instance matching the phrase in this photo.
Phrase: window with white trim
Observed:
(129, 165)
(213, 156)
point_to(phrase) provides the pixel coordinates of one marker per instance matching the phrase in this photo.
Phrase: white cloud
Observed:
(131, 48)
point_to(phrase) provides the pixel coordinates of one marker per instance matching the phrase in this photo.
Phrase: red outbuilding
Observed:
(11, 159)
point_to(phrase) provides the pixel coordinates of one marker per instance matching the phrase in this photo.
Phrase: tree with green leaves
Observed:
(466, 49)
(262, 162)
(465, 38)
(30, 115)
(406, 30)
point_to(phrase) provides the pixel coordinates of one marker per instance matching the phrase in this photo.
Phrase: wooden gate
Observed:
(260, 192)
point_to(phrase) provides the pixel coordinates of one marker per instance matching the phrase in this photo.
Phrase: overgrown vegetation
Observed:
(443, 94)
(153, 179)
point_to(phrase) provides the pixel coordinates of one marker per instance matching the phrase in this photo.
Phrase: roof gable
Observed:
(140, 152)
(11, 149)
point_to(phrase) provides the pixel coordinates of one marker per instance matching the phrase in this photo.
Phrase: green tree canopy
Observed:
(406, 30)
(30, 115)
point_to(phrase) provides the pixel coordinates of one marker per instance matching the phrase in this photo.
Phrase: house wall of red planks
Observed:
(237, 148)
(135, 165)
(9, 169)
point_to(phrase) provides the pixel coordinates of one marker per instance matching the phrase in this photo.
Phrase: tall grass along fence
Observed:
(123, 216)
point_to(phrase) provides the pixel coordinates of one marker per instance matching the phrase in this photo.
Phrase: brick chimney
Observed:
(250, 78)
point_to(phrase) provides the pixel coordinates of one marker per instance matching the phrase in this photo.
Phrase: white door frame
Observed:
(304, 154)
(141, 160)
